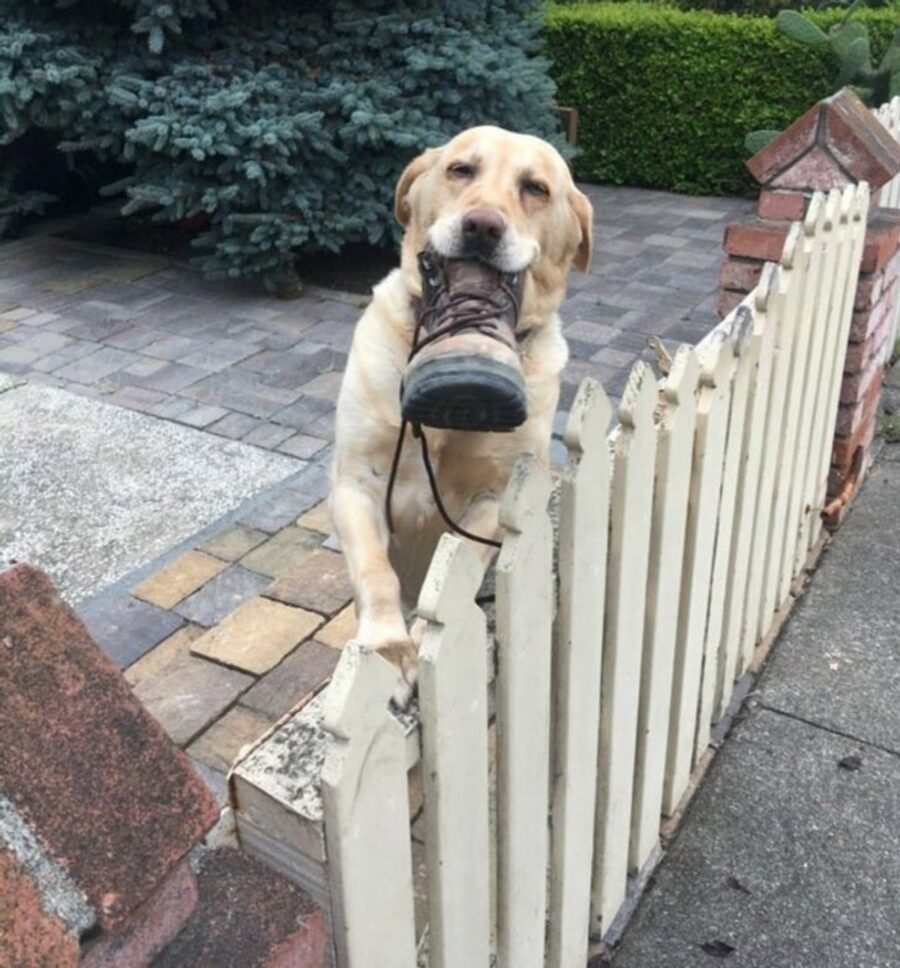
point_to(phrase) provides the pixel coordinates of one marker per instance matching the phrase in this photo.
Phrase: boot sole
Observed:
(465, 392)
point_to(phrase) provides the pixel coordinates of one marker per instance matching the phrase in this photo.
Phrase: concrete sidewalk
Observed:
(789, 856)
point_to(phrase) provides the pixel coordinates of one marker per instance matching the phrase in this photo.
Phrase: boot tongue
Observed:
(470, 276)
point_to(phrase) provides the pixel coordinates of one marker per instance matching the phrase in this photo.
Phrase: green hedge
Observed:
(666, 97)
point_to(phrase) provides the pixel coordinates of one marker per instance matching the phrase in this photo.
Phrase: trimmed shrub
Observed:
(666, 97)
(281, 125)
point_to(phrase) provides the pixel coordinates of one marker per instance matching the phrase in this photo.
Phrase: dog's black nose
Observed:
(482, 229)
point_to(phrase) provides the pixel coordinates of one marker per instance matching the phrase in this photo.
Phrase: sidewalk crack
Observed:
(828, 729)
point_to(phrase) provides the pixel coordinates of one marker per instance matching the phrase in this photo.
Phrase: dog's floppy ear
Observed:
(418, 166)
(584, 215)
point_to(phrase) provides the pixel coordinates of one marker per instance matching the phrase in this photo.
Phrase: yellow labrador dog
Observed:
(513, 194)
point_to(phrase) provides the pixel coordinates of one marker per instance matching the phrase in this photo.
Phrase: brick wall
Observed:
(836, 143)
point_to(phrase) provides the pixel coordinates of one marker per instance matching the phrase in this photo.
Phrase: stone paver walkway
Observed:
(227, 630)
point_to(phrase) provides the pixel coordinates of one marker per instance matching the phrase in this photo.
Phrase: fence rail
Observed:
(680, 533)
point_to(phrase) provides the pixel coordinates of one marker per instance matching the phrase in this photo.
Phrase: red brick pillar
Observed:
(836, 143)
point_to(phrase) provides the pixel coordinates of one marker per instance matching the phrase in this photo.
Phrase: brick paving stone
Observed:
(220, 746)
(187, 694)
(241, 390)
(177, 645)
(171, 378)
(267, 435)
(16, 359)
(96, 330)
(96, 366)
(172, 348)
(324, 387)
(280, 554)
(302, 412)
(126, 627)
(171, 408)
(17, 315)
(145, 366)
(317, 519)
(257, 635)
(135, 337)
(222, 595)
(338, 632)
(234, 425)
(302, 446)
(180, 578)
(45, 341)
(234, 542)
(200, 415)
(136, 398)
(317, 580)
(301, 673)
(323, 426)
(219, 355)
(286, 505)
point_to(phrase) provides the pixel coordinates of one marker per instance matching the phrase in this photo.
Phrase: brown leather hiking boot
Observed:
(464, 371)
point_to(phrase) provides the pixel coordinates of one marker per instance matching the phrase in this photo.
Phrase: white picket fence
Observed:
(889, 196)
(679, 536)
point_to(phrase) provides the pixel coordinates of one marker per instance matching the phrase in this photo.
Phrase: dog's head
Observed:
(506, 199)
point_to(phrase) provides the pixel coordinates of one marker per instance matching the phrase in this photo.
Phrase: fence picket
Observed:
(453, 684)
(631, 507)
(714, 650)
(716, 359)
(524, 631)
(851, 218)
(778, 307)
(577, 655)
(364, 789)
(675, 436)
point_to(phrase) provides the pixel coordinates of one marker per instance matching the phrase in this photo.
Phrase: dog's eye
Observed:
(461, 170)
(535, 188)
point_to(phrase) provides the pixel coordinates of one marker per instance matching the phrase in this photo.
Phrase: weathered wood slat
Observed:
(739, 333)
(453, 702)
(631, 507)
(524, 631)
(675, 439)
(583, 530)
(716, 368)
(364, 790)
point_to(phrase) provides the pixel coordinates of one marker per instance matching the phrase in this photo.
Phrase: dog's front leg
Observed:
(359, 521)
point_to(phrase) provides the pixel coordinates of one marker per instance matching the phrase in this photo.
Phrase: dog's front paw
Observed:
(400, 650)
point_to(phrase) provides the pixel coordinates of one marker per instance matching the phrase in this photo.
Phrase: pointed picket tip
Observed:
(526, 494)
(765, 287)
(588, 419)
(789, 251)
(716, 358)
(639, 397)
(815, 214)
(357, 697)
(741, 329)
(683, 377)
(454, 575)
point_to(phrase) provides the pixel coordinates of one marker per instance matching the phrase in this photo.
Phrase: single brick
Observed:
(84, 762)
(855, 387)
(222, 595)
(317, 519)
(727, 300)
(882, 239)
(303, 446)
(149, 929)
(186, 694)
(176, 645)
(865, 322)
(756, 239)
(340, 630)
(248, 916)
(180, 578)
(234, 542)
(783, 205)
(304, 671)
(257, 636)
(280, 554)
(842, 455)
(741, 274)
(221, 745)
(318, 581)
